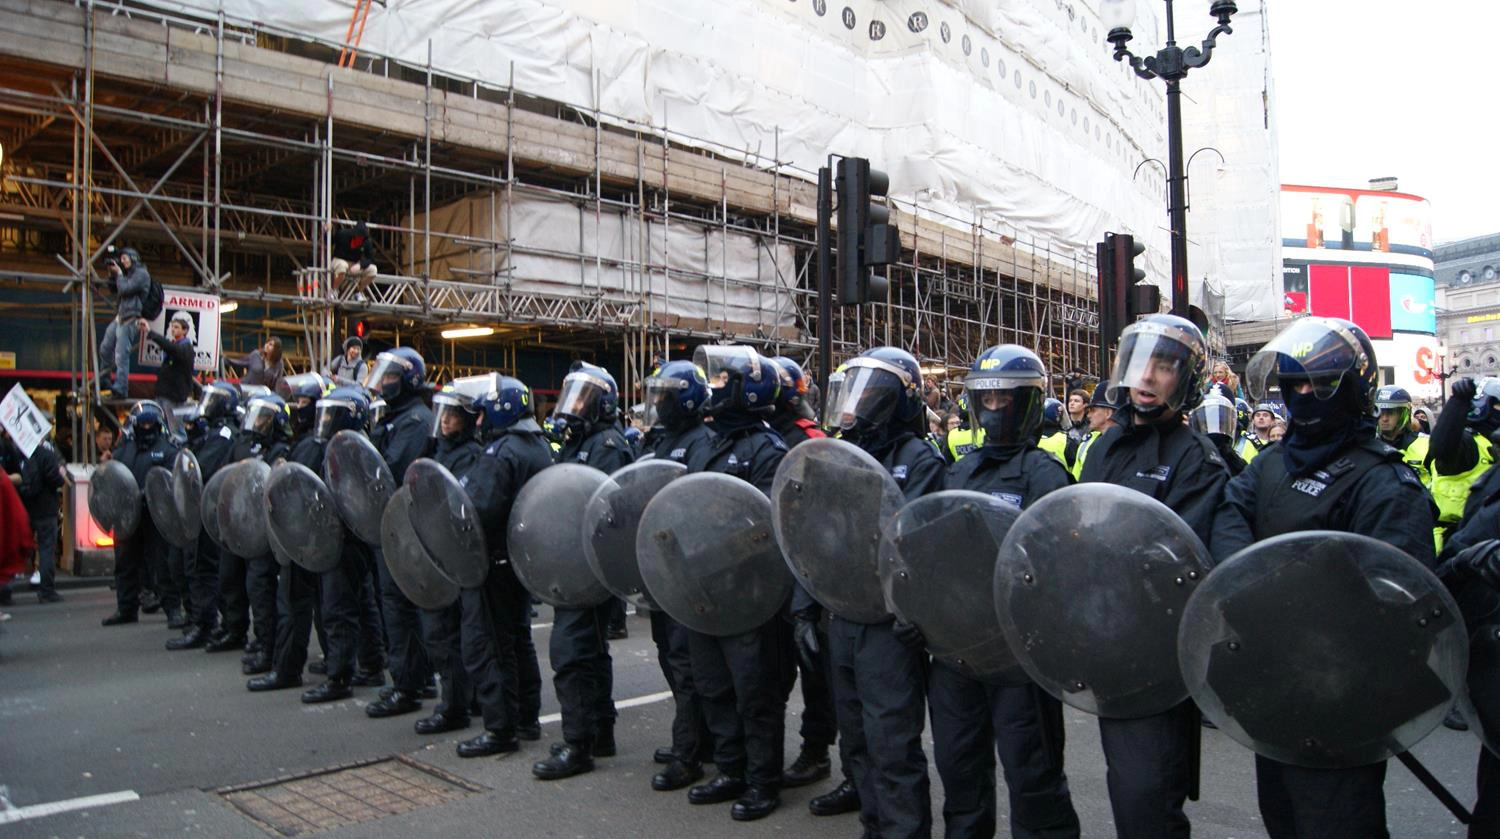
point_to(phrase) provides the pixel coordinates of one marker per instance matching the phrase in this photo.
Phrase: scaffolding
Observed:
(227, 152)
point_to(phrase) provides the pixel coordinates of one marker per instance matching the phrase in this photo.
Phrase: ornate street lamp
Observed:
(1171, 63)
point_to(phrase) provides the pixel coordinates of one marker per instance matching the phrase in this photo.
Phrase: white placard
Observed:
(203, 311)
(26, 423)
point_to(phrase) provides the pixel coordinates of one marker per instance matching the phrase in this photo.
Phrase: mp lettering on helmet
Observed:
(1302, 350)
(989, 363)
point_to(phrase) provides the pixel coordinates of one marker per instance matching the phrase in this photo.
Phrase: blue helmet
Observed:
(309, 386)
(793, 394)
(1391, 397)
(396, 373)
(505, 402)
(146, 420)
(1161, 363)
(1332, 355)
(881, 386)
(588, 395)
(267, 417)
(1053, 415)
(220, 401)
(633, 436)
(738, 377)
(675, 395)
(346, 407)
(1005, 391)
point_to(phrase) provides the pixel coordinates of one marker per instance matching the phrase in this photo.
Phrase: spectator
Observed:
(1225, 379)
(104, 442)
(1278, 430)
(1078, 408)
(934, 396)
(350, 367)
(264, 366)
(174, 379)
(39, 482)
(1423, 421)
(352, 247)
(131, 282)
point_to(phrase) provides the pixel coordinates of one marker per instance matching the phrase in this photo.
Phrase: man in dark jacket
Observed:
(132, 283)
(353, 250)
(38, 483)
(146, 445)
(174, 378)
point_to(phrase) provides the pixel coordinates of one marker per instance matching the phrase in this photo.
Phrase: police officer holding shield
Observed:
(247, 584)
(146, 444)
(1330, 473)
(211, 440)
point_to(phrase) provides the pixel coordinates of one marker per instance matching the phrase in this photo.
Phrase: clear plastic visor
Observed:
(720, 363)
(449, 408)
(1215, 418)
(334, 415)
(377, 412)
(1307, 351)
(291, 386)
(831, 400)
(215, 402)
(580, 396)
(659, 394)
(386, 365)
(260, 417)
(870, 394)
(1157, 369)
(1009, 414)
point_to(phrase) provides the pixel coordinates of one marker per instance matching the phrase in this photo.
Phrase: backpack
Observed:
(151, 304)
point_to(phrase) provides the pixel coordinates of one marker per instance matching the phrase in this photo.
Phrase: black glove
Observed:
(805, 630)
(1463, 389)
(909, 635)
(1482, 560)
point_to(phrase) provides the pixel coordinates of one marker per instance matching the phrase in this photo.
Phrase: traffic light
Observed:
(1121, 298)
(359, 328)
(866, 238)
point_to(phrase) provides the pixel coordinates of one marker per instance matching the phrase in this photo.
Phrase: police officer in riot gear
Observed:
(143, 553)
(973, 719)
(1215, 419)
(1156, 380)
(496, 625)
(210, 436)
(399, 376)
(740, 678)
(675, 397)
(1054, 431)
(879, 678)
(265, 433)
(583, 673)
(1330, 473)
(1393, 423)
(965, 438)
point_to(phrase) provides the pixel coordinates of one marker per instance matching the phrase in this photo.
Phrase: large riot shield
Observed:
(242, 508)
(828, 504)
(937, 567)
(411, 567)
(187, 490)
(1089, 589)
(302, 524)
(546, 541)
(446, 522)
(361, 482)
(115, 499)
(163, 507)
(610, 522)
(1323, 649)
(708, 554)
(209, 504)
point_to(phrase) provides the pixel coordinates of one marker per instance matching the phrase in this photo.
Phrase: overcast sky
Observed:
(1372, 88)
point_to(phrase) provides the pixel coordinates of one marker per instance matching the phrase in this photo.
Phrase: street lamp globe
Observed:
(1117, 16)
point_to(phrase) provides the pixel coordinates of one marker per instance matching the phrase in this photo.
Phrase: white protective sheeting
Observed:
(1010, 108)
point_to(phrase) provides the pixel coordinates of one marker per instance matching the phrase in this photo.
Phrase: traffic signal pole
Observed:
(825, 281)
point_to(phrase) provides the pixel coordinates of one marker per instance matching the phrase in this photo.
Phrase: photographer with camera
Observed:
(132, 284)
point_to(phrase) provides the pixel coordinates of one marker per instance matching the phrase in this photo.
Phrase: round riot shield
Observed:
(410, 566)
(302, 524)
(446, 522)
(546, 542)
(242, 508)
(610, 522)
(1089, 589)
(115, 499)
(187, 490)
(209, 504)
(937, 568)
(1323, 649)
(828, 504)
(361, 482)
(163, 508)
(708, 554)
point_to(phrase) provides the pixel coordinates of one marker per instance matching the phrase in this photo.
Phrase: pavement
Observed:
(92, 711)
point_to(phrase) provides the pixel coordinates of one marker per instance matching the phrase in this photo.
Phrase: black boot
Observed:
(757, 803)
(441, 724)
(395, 704)
(176, 619)
(330, 691)
(572, 759)
(530, 731)
(368, 679)
(224, 643)
(319, 667)
(486, 744)
(150, 603)
(604, 741)
(721, 789)
(258, 664)
(677, 775)
(118, 618)
(664, 756)
(273, 681)
(843, 799)
(191, 640)
(811, 765)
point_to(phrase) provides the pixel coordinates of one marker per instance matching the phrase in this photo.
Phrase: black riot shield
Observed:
(302, 524)
(361, 482)
(546, 541)
(445, 521)
(114, 499)
(1089, 589)
(1323, 649)
(163, 507)
(610, 522)
(187, 490)
(708, 554)
(828, 504)
(937, 567)
(411, 567)
(242, 508)
(209, 503)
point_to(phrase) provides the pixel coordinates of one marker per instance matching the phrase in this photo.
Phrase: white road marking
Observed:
(35, 811)
(623, 703)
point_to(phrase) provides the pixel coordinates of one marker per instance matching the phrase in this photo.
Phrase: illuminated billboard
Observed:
(1359, 220)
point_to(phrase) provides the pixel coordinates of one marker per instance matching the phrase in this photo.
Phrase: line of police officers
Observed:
(869, 687)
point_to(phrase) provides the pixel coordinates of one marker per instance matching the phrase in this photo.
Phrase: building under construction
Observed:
(227, 151)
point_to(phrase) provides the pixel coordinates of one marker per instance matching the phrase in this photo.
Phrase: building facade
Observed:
(1469, 305)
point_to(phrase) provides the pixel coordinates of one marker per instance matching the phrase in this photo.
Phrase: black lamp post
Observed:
(1171, 63)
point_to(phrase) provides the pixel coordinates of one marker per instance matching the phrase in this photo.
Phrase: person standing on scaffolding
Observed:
(132, 284)
(352, 248)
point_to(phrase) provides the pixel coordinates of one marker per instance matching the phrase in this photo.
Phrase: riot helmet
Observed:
(675, 395)
(588, 396)
(792, 397)
(454, 415)
(1215, 416)
(267, 417)
(1054, 418)
(1331, 355)
(1486, 401)
(345, 407)
(503, 402)
(1241, 414)
(378, 408)
(1160, 364)
(397, 374)
(145, 421)
(832, 399)
(1393, 411)
(739, 378)
(1004, 395)
(302, 393)
(220, 402)
(882, 386)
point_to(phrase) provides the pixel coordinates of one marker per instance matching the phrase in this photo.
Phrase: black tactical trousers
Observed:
(441, 639)
(1150, 771)
(296, 596)
(971, 721)
(819, 723)
(739, 682)
(343, 588)
(372, 641)
(171, 577)
(234, 600)
(529, 671)
(582, 672)
(879, 686)
(203, 583)
(1486, 823)
(691, 741)
(134, 556)
(1296, 801)
(489, 647)
(260, 584)
(410, 669)
(616, 613)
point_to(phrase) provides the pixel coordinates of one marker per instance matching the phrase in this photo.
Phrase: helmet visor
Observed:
(387, 369)
(260, 417)
(581, 396)
(661, 403)
(1215, 416)
(303, 384)
(214, 404)
(831, 400)
(377, 412)
(1156, 362)
(334, 415)
(868, 398)
(1310, 351)
(721, 363)
(1008, 415)
(454, 411)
